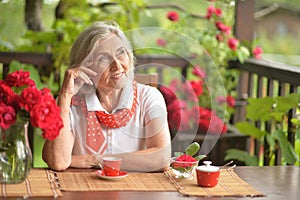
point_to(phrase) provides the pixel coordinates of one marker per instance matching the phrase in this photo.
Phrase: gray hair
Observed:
(86, 40)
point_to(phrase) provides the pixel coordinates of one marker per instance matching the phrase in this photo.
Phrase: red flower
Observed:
(257, 51)
(178, 115)
(197, 87)
(229, 100)
(52, 131)
(168, 94)
(176, 86)
(205, 113)
(184, 113)
(222, 27)
(161, 42)
(233, 43)
(220, 37)
(43, 114)
(7, 116)
(8, 96)
(218, 12)
(212, 10)
(199, 72)
(217, 125)
(29, 98)
(19, 78)
(47, 97)
(209, 122)
(173, 16)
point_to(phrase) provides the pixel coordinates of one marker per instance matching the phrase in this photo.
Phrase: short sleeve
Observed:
(152, 103)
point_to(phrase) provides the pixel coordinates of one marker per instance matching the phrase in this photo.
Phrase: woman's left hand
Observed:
(84, 161)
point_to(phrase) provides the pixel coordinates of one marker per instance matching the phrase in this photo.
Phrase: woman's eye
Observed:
(103, 59)
(121, 52)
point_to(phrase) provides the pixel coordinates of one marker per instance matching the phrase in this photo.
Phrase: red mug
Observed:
(111, 166)
(207, 175)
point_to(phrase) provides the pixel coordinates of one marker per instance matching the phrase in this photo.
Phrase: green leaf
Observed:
(260, 108)
(248, 129)
(285, 103)
(271, 141)
(298, 133)
(288, 152)
(243, 53)
(243, 156)
(200, 157)
(294, 157)
(295, 121)
(278, 116)
(177, 154)
(192, 149)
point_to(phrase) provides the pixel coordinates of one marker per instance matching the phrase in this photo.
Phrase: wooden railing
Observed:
(287, 77)
(36, 59)
(45, 60)
(263, 78)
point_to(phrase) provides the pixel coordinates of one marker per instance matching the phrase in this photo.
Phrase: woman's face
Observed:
(111, 62)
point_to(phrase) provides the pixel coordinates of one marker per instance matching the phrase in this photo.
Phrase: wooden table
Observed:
(278, 183)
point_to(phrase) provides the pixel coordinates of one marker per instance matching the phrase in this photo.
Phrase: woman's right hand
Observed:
(75, 78)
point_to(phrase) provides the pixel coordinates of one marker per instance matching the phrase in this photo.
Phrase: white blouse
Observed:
(129, 138)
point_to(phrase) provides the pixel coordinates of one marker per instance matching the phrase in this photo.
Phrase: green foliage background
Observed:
(12, 26)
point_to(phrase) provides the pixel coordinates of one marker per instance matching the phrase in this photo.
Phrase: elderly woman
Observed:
(105, 112)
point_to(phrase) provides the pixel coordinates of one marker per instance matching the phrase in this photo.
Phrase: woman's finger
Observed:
(84, 77)
(88, 71)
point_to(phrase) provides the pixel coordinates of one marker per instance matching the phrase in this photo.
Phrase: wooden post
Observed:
(244, 31)
(244, 20)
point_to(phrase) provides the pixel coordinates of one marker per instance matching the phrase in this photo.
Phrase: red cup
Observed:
(111, 166)
(207, 175)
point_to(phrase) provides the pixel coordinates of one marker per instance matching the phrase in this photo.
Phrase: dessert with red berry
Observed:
(183, 164)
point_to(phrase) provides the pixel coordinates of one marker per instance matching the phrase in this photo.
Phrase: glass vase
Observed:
(15, 153)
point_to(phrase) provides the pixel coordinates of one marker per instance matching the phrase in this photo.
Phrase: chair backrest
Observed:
(147, 79)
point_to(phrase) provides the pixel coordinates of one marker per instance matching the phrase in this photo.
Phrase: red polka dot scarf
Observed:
(96, 141)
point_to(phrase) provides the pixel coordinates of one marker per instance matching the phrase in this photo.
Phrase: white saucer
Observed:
(121, 175)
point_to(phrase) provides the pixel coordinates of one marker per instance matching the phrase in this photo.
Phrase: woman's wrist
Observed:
(64, 98)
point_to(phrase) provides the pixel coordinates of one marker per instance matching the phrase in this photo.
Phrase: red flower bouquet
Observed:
(20, 100)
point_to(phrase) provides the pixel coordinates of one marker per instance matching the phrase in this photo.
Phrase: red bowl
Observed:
(207, 179)
(207, 175)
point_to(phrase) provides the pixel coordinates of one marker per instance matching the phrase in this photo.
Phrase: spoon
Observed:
(100, 165)
(98, 161)
(222, 167)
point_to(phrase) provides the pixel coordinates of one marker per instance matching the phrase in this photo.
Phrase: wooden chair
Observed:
(147, 79)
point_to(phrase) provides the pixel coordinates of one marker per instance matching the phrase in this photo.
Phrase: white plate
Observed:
(101, 174)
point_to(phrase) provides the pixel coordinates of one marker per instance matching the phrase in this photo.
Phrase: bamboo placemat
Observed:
(229, 184)
(39, 183)
(89, 181)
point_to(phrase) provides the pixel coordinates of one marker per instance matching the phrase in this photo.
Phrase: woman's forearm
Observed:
(148, 160)
(57, 153)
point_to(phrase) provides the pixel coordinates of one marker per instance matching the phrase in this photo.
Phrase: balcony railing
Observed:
(263, 78)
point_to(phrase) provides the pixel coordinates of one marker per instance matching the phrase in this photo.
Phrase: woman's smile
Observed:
(117, 76)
